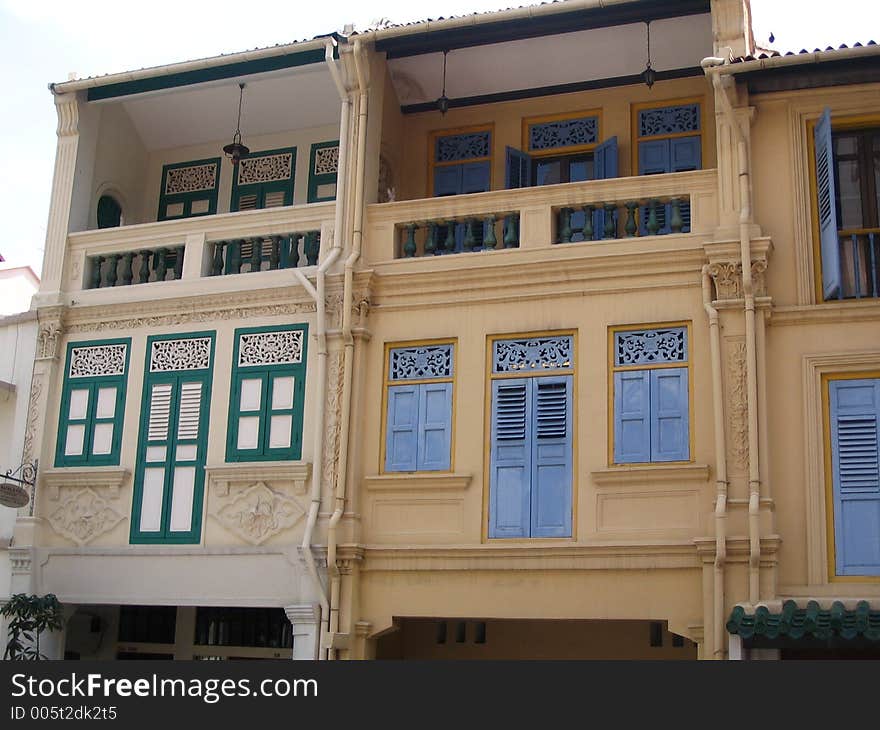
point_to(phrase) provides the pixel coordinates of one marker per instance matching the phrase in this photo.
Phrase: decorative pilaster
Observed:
(305, 620)
(58, 225)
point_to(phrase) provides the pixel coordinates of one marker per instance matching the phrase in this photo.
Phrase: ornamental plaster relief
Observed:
(256, 513)
(49, 333)
(83, 516)
(737, 408)
(332, 422)
(728, 279)
(33, 415)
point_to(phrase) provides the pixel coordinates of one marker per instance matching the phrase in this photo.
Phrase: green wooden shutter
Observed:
(189, 189)
(323, 170)
(264, 180)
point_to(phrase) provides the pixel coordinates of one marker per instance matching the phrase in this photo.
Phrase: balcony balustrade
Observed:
(204, 249)
(860, 263)
(594, 212)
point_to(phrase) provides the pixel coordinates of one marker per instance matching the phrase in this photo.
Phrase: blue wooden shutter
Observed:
(685, 154)
(826, 204)
(855, 405)
(632, 427)
(604, 167)
(435, 426)
(447, 180)
(551, 457)
(669, 415)
(401, 438)
(517, 169)
(654, 157)
(605, 159)
(510, 460)
(475, 177)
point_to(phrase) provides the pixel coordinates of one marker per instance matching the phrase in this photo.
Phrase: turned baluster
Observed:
(110, 271)
(610, 223)
(256, 254)
(178, 262)
(630, 225)
(126, 267)
(274, 252)
(217, 259)
(144, 269)
(97, 263)
(312, 247)
(675, 221)
(409, 245)
(293, 250)
(430, 243)
(489, 239)
(160, 263)
(450, 237)
(588, 222)
(511, 235)
(653, 223)
(469, 240)
(565, 225)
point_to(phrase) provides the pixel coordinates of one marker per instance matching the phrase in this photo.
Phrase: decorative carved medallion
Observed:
(258, 512)
(83, 516)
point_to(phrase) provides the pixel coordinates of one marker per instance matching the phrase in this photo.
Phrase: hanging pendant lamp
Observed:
(649, 75)
(443, 101)
(235, 150)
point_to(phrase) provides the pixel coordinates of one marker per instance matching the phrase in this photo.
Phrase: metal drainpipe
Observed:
(721, 483)
(745, 218)
(348, 340)
(321, 335)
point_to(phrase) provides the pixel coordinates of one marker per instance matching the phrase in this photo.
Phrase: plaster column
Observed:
(58, 224)
(305, 619)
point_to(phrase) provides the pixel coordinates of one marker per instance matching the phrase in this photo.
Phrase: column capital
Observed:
(68, 115)
(303, 613)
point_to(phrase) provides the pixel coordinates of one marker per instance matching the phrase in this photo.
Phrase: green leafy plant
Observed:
(30, 615)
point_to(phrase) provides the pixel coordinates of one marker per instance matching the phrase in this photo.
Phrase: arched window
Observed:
(109, 212)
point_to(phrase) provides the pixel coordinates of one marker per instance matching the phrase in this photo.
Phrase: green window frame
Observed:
(319, 179)
(256, 186)
(173, 443)
(91, 416)
(267, 393)
(189, 189)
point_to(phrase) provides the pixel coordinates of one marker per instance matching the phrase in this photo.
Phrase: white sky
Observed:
(43, 40)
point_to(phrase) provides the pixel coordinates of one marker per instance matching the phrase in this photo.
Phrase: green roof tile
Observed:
(810, 622)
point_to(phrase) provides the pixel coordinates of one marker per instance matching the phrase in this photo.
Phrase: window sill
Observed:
(644, 473)
(221, 476)
(417, 480)
(111, 477)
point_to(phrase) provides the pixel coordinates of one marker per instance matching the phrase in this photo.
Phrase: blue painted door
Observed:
(855, 467)
(462, 179)
(551, 457)
(827, 206)
(659, 156)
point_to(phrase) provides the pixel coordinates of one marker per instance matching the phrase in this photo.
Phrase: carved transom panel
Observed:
(97, 360)
(669, 120)
(265, 168)
(192, 353)
(563, 133)
(454, 147)
(270, 348)
(539, 353)
(326, 160)
(650, 347)
(416, 363)
(191, 179)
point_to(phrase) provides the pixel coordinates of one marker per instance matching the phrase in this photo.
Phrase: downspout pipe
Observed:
(348, 342)
(317, 293)
(710, 67)
(721, 483)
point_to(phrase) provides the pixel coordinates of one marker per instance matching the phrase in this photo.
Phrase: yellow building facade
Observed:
(573, 338)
